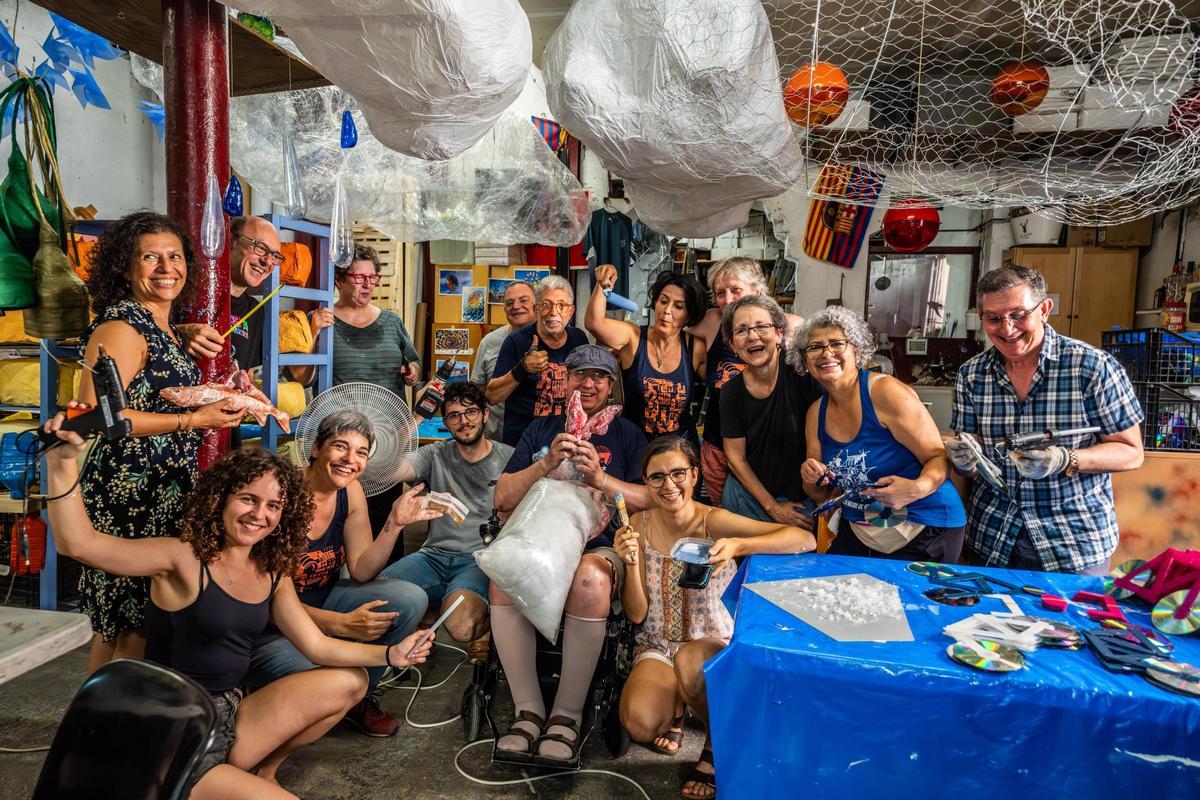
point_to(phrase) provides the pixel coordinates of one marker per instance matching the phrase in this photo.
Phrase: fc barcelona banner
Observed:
(837, 228)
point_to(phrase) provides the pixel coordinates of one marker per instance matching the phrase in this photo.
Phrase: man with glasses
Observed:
(519, 311)
(530, 373)
(1056, 513)
(254, 251)
(610, 462)
(465, 467)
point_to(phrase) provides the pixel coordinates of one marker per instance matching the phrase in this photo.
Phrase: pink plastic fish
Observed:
(237, 387)
(578, 423)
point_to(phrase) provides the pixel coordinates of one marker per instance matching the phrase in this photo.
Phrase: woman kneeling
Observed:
(682, 627)
(212, 592)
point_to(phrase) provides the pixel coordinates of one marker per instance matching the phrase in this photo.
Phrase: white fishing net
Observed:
(1117, 136)
(430, 76)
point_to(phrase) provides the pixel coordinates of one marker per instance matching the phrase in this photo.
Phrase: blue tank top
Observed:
(659, 402)
(722, 364)
(318, 569)
(874, 453)
(210, 640)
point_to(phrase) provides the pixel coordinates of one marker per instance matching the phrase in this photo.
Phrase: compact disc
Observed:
(1163, 614)
(881, 516)
(987, 655)
(1121, 570)
(1174, 675)
(931, 569)
(1059, 634)
(949, 596)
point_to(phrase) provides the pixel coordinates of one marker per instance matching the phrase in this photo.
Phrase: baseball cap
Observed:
(592, 356)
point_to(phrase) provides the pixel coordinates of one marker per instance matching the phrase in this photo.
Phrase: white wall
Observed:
(110, 158)
(1157, 261)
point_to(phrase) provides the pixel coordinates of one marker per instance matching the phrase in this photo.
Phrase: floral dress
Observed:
(136, 487)
(674, 615)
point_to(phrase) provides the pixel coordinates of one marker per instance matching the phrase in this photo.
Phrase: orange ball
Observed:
(816, 94)
(1020, 87)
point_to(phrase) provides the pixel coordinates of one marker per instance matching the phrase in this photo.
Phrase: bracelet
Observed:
(1072, 464)
(188, 426)
(604, 483)
(66, 496)
(179, 422)
(387, 656)
(519, 372)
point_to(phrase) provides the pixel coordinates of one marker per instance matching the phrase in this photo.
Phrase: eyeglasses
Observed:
(834, 346)
(657, 479)
(596, 375)
(363, 279)
(546, 306)
(1016, 317)
(262, 251)
(760, 330)
(470, 415)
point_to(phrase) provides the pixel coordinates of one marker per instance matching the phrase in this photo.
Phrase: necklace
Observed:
(661, 357)
(233, 581)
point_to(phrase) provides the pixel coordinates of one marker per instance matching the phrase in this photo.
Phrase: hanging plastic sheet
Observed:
(682, 99)
(430, 76)
(797, 714)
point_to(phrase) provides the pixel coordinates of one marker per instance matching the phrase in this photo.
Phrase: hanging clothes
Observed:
(610, 235)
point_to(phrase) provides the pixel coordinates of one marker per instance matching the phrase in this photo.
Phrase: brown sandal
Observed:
(560, 721)
(706, 779)
(674, 735)
(531, 740)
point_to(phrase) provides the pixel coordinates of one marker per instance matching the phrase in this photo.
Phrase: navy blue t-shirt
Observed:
(620, 451)
(540, 395)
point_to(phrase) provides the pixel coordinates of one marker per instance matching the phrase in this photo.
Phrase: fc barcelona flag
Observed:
(836, 229)
(551, 131)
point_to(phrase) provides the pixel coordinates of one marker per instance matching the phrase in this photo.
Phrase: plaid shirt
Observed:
(1071, 520)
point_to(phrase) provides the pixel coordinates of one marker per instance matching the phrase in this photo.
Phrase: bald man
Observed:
(254, 250)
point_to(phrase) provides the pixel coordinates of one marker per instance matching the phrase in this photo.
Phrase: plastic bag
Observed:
(430, 76)
(534, 558)
(682, 99)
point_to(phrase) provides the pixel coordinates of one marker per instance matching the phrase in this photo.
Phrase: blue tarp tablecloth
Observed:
(798, 714)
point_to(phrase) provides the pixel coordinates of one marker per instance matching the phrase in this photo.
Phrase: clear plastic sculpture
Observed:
(431, 77)
(212, 223)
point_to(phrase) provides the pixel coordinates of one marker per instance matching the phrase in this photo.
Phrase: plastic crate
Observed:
(1156, 355)
(1172, 417)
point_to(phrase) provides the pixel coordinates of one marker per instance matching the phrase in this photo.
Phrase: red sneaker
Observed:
(372, 720)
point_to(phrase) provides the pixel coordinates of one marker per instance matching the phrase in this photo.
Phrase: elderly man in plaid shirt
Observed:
(1057, 513)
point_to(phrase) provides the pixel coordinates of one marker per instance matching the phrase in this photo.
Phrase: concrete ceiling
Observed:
(544, 17)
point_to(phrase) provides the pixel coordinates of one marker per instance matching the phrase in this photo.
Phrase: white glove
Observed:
(962, 454)
(1038, 464)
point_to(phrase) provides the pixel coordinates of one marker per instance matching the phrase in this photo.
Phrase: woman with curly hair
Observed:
(212, 592)
(135, 487)
(871, 437)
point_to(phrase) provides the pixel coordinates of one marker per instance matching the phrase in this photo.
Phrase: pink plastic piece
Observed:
(1108, 606)
(578, 423)
(1054, 602)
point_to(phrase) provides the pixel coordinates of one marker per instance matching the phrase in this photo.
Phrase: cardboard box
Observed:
(1138, 233)
(1080, 236)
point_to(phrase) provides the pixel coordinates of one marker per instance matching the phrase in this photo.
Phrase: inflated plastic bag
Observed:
(430, 76)
(534, 558)
(682, 99)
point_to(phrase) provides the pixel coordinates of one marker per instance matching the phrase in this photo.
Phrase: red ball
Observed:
(1020, 87)
(909, 226)
(1185, 114)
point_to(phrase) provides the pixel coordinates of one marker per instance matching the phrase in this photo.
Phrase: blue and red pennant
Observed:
(837, 229)
(551, 131)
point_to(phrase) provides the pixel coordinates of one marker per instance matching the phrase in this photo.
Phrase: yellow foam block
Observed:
(20, 386)
(295, 332)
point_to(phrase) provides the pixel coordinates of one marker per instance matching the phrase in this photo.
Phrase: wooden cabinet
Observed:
(1093, 287)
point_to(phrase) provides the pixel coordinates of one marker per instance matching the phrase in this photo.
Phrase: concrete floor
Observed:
(416, 763)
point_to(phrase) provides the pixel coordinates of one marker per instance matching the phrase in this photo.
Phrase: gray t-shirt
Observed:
(485, 362)
(440, 467)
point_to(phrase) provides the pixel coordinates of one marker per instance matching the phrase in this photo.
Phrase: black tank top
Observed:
(318, 569)
(210, 640)
(722, 365)
(658, 402)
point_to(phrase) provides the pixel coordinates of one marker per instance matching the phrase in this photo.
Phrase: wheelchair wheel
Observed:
(472, 712)
(616, 738)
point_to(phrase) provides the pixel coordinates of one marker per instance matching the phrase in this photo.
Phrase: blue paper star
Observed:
(62, 53)
(87, 90)
(53, 76)
(157, 116)
(87, 44)
(8, 48)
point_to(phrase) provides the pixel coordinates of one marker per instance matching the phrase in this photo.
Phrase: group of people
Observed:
(233, 576)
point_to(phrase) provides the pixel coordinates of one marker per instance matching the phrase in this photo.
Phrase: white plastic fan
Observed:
(395, 430)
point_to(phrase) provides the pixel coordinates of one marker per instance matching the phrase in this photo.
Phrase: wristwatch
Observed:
(1072, 464)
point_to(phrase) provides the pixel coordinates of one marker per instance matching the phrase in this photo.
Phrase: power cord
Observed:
(389, 685)
(517, 781)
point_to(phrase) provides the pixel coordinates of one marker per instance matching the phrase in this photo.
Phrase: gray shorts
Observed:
(617, 564)
(227, 703)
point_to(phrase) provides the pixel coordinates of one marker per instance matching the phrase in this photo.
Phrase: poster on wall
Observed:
(530, 276)
(452, 281)
(474, 304)
(452, 341)
(496, 289)
(461, 371)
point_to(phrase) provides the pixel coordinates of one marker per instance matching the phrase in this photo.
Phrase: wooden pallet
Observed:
(390, 291)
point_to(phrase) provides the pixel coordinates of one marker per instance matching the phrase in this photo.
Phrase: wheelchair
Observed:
(603, 708)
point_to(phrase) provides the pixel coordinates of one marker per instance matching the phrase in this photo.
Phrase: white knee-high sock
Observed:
(582, 641)
(516, 645)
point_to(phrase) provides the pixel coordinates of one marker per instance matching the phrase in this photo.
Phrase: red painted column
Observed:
(196, 89)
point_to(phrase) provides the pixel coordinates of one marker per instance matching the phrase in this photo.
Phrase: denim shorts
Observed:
(227, 707)
(440, 574)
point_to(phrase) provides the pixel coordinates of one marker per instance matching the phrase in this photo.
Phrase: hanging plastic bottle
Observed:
(293, 186)
(341, 232)
(212, 224)
(232, 203)
(349, 130)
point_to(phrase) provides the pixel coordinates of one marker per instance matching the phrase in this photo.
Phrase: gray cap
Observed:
(592, 356)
